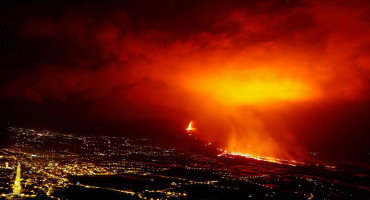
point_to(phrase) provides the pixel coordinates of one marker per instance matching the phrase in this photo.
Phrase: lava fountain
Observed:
(190, 126)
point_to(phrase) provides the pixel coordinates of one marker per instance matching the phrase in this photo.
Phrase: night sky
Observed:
(271, 78)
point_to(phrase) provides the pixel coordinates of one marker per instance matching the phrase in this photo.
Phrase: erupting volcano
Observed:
(265, 97)
(268, 79)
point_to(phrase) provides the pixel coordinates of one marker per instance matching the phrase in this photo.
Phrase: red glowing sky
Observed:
(265, 77)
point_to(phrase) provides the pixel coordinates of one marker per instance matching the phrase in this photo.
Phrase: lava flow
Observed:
(266, 159)
(191, 128)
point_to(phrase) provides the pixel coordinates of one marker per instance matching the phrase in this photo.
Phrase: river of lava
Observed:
(261, 158)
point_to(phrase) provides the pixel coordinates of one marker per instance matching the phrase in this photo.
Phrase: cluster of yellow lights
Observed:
(17, 182)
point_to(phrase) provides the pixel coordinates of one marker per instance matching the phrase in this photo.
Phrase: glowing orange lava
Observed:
(266, 159)
(190, 126)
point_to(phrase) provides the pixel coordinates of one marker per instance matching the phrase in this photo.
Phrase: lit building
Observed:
(17, 182)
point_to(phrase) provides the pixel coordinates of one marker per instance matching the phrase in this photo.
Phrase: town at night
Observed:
(49, 165)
